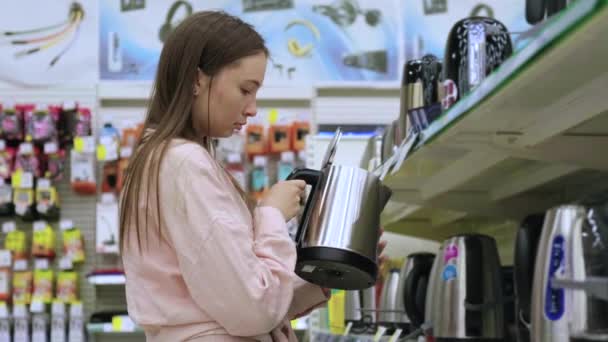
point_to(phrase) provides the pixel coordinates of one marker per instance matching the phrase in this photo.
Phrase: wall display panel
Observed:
(310, 41)
(48, 42)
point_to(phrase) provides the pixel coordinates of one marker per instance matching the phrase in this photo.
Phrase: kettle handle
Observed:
(415, 288)
(312, 178)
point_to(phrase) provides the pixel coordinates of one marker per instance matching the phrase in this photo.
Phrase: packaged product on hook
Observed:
(41, 123)
(27, 159)
(55, 161)
(11, 122)
(7, 207)
(7, 160)
(47, 199)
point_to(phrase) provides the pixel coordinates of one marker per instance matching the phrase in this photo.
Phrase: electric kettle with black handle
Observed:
(338, 230)
(466, 301)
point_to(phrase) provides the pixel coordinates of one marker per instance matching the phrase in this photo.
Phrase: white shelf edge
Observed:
(114, 279)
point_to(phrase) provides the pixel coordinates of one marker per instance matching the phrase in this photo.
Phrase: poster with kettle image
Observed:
(427, 23)
(310, 41)
(46, 43)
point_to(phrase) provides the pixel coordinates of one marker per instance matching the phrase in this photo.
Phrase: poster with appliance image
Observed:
(327, 41)
(131, 34)
(428, 22)
(48, 42)
(310, 41)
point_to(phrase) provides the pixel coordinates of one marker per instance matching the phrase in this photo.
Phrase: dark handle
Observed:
(535, 11)
(554, 6)
(312, 178)
(526, 245)
(414, 292)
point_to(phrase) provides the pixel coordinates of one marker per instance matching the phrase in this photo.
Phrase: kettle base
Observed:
(336, 268)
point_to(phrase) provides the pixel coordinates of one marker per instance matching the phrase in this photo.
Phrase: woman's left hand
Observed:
(381, 246)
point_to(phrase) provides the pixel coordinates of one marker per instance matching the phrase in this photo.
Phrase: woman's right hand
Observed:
(285, 196)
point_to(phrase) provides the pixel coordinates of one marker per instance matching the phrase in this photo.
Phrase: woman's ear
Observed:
(200, 82)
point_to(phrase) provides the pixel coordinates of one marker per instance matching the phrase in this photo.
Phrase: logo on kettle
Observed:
(451, 252)
(555, 297)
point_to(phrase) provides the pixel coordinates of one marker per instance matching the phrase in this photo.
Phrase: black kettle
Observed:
(475, 47)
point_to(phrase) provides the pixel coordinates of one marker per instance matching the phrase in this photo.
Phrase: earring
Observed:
(195, 92)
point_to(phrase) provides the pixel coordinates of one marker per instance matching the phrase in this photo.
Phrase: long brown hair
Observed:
(206, 40)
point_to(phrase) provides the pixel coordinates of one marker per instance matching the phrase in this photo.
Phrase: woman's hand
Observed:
(285, 196)
(381, 246)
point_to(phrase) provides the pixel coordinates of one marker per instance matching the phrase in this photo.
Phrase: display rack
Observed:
(532, 135)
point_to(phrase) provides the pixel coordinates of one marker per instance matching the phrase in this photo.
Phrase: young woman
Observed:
(204, 263)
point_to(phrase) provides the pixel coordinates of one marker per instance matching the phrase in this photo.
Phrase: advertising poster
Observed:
(310, 41)
(428, 22)
(48, 42)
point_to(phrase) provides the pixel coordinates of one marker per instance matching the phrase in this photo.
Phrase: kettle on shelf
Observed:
(338, 230)
(570, 300)
(475, 47)
(465, 298)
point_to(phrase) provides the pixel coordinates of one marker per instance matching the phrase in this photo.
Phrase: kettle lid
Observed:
(331, 149)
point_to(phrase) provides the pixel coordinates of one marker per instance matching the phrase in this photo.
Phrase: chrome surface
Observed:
(346, 211)
(390, 297)
(448, 309)
(556, 310)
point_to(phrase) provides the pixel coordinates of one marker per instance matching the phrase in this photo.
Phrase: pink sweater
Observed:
(218, 274)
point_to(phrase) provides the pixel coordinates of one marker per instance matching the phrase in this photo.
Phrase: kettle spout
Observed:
(385, 195)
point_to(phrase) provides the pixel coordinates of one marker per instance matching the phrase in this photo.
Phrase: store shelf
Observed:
(121, 90)
(107, 328)
(533, 135)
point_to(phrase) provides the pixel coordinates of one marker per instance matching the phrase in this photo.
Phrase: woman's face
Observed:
(223, 110)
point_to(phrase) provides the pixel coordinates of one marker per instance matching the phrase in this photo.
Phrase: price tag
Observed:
(37, 306)
(66, 224)
(51, 147)
(6, 258)
(19, 311)
(8, 227)
(122, 324)
(43, 184)
(26, 148)
(108, 327)
(58, 308)
(381, 331)
(65, 263)
(396, 335)
(3, 310)
(39, 225)
(102, 152)
(84, 144)
(41, 264)
(76, 309)
(126, 152)
(27, 180)
(20, 265)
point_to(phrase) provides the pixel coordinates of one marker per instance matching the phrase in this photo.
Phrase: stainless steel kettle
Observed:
(467, 296)
(338, 231)
(578, 298)
(554, 309)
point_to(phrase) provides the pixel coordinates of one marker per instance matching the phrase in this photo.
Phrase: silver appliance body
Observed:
(556, 310)
(390, 312)
(466, 299)
(587, 285)
(338, 233)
